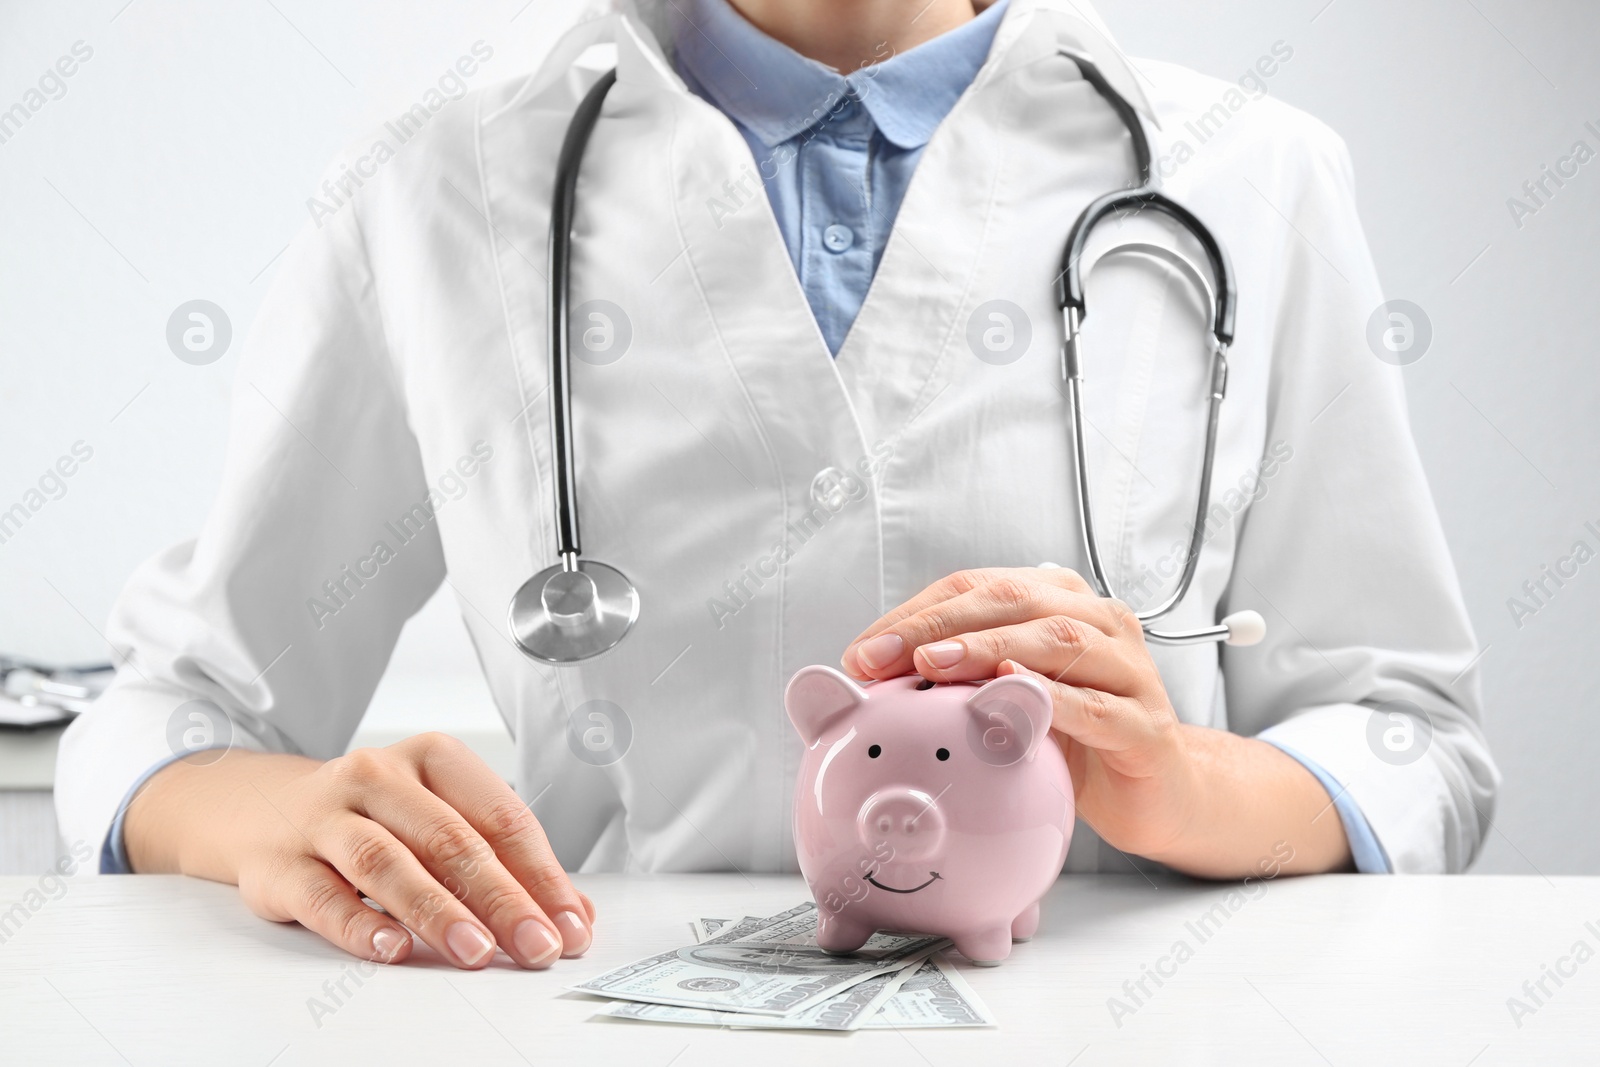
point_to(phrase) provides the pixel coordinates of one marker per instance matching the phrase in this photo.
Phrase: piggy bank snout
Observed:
(908, 821)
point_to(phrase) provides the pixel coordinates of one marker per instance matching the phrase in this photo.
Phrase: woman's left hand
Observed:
(1126, 750)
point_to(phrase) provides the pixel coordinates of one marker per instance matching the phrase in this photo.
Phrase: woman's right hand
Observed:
(424, 828)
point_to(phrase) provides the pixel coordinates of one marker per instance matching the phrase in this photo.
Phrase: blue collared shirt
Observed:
(835, 151)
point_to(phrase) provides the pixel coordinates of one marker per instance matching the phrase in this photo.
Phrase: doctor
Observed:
(818, 383)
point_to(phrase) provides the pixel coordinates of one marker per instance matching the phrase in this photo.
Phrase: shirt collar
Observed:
(776, 93)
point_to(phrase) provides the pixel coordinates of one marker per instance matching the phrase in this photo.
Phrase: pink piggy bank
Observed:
(932, 809)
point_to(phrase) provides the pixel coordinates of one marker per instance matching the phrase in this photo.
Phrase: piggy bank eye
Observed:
(924, 684)
(875, 751)
(943, 754)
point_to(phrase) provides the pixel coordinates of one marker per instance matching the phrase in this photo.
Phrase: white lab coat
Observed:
(408, 329)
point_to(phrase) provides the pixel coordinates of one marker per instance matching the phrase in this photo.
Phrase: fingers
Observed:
(992, 599)
(1057, 647)
(459, 858)
(945, 588)
(318, 898)
(466, 784)
(1097, 719)
(374, 861)
(431, 835)
(966, 581)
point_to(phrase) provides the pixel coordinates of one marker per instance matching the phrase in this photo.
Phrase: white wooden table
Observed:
(1333, 970)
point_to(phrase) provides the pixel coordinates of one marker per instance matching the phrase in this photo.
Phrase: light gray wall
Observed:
(176, 166)
(177, 162)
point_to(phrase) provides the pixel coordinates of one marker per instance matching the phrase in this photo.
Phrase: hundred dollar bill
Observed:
(767, 967)
(842, 1011)
(934, 995)
(735, 930)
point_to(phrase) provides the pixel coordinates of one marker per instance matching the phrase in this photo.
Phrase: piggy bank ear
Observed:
(818, 696)
(1010, 719)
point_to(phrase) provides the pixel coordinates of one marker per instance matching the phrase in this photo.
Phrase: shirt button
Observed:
(837, 238)
(830, 488)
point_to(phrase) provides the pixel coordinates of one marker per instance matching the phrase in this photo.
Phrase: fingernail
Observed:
(880, 651)
(574, 932)
(468, 943)
(536, 945)
(387, 943)
(944, 654)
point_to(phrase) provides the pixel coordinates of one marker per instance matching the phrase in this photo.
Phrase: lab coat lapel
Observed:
(735, 258)
(891, 362)
(974, 250)
(910, 341)
(823, 458)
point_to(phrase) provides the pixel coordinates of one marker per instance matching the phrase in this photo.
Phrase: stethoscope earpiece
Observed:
(1245, 628)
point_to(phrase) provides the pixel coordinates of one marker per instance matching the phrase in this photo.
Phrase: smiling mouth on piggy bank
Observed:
(935, 876)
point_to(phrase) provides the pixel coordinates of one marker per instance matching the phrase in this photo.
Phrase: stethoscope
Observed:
(578, 608)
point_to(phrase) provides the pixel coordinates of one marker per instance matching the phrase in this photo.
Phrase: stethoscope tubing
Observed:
(622, 601)
(1221, 300)
(558, 276)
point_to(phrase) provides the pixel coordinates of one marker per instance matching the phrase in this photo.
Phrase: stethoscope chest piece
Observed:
(564, 615)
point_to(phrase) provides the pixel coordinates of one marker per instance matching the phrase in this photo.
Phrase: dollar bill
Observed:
(934, 995)
(842, 1011)
(769, 966)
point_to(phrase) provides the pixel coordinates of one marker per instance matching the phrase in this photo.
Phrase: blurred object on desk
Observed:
(33, 694)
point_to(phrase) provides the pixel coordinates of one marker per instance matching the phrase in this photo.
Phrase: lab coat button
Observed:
(830, 489)
(838, 238)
